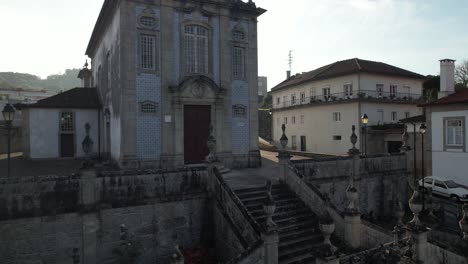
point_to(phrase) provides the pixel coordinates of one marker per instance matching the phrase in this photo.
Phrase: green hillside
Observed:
(55, 82)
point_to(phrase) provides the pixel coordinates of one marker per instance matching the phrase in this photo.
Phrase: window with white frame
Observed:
(293, 142)
(147, 52)
(293, 120)
(407, 114)
(302, 97)
(302, 119)
(278, 100)
(326, 92)
(454, 132)
(380, 116)
(293, 99)
(393, 90)
(312, 93)
(67, 123)
(285, 99)
(379, 89)
(336, 116)
(196, 49)
(394, 116)
(348, 90)
(238, 63)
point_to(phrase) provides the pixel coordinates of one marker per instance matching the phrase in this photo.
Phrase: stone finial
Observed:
(124, 232)
(177, 257)
(327, 226)
(211, 144)
(464, 222)
(353, 196)
(86, 65)
(87, 145)
(353, 151)
(284, 138)
(416, 206)
(405, 137)
(399, 212)
(269, 207)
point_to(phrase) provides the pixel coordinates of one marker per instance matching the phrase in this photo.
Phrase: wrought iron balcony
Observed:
(362, 95)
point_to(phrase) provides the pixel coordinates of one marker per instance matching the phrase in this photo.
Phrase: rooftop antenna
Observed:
(290, 60)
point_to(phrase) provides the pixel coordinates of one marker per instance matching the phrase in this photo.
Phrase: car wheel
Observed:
(455, 198)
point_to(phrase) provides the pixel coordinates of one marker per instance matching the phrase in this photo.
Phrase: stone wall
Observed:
(44, 218)
(15, 137)
(52, 195)
(380, 180)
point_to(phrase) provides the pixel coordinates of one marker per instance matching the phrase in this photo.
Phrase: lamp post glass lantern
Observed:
(365, 121)
(8, 115)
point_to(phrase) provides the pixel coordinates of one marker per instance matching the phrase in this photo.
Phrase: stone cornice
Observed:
(107, 10)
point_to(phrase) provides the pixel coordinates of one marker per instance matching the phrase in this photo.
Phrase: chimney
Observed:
(447, 77)
(85, 76)
(288, 74)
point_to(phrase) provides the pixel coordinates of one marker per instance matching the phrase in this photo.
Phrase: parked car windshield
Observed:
(451, 184)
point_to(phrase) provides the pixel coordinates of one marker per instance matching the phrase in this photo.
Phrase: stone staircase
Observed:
(298, 226)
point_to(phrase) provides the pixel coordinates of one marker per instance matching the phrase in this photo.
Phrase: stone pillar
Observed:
(283, 155)
(270, 234)
(352, 215)
(90, 221)
(271, 241)
(90, 224)
(416, 229)
(88, 197)
(464, 223)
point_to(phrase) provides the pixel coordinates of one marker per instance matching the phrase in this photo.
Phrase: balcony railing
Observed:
(362, 95)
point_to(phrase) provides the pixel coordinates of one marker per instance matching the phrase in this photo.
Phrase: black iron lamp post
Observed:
(422, 130)
(365, 120)
(8, 115)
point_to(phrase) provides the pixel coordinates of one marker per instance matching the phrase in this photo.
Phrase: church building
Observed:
(168, 70)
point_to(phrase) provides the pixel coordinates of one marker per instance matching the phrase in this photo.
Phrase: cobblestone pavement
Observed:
(23, 168)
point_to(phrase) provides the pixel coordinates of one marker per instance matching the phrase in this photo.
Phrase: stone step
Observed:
(307, 258)
(291, 235)
(278, 200)
(293, 219)
(294, 226)
(262, 193)
(311, 239)
(259, 189)
(255, 209)
(302, 251)
(282, 215)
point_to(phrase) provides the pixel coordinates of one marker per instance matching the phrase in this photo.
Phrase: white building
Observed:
(320, 107)
(54, 127)
(446, 119)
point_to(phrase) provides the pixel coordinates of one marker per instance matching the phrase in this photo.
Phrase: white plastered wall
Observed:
(449, 164)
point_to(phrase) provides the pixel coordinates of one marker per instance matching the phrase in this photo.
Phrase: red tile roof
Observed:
(346, 67)
(460, 97)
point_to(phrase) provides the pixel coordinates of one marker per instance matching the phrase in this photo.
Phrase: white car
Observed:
(445, 188)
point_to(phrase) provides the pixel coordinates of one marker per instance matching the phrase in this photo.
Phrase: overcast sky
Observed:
(45, 37)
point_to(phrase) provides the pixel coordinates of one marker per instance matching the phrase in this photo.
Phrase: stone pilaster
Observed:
(270, 233)
(352, 215)
(283, 155)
